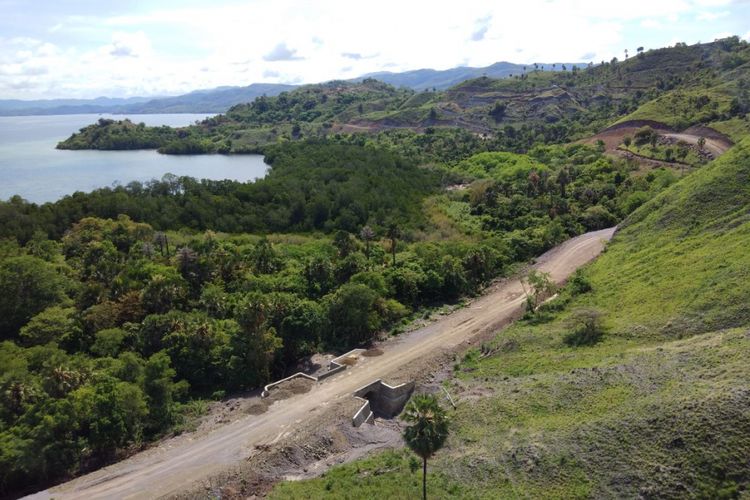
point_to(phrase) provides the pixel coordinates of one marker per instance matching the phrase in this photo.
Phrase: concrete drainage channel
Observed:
(378, 398)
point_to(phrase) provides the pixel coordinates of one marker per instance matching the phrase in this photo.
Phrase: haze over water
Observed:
(31, 167)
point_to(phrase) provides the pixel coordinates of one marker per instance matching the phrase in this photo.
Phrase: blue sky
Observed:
(82, 48)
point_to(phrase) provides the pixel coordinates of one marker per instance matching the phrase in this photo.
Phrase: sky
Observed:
(90, 48)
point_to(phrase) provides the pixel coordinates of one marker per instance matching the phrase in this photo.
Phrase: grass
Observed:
(736, 128)
(683, 107)
(460, 211)
(446, 224)
(658, 408)
(364, 479)
(499, 165)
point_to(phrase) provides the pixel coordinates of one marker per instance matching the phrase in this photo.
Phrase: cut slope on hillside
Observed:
(658, 408)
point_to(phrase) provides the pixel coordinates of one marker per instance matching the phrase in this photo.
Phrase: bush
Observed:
(598, 217)
(644, 135)
(587, 328)
(579, 284)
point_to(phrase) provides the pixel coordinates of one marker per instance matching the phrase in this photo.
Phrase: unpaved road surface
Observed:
(714, 146)
(174, 465)
(715, 142)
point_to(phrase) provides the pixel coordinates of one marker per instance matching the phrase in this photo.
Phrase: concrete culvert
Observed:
(381, 400)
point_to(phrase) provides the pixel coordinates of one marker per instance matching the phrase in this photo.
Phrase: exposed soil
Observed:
(297, 385)
(302, 456)
(372, 352)
(716, 143)
(257, 407)
(349, 360)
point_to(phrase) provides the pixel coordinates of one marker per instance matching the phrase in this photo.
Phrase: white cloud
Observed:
(711, 16)
(483, 25)
(651, 24)
(130, 45)
(163, 50)
(282, 53)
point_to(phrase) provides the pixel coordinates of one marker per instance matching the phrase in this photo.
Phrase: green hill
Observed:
(656, 409)
(681, 86)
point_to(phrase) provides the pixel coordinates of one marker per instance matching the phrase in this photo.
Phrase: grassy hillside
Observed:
(657, 408)
(714, 93)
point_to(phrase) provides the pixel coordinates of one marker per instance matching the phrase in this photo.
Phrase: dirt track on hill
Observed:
(178, 463)
(716, 143)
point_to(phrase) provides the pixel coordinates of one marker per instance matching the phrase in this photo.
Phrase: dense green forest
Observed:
(309, 186)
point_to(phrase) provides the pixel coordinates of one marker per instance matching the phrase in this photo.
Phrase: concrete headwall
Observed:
(385, 399)
(364, 414)
(332, 371)
(335, 367)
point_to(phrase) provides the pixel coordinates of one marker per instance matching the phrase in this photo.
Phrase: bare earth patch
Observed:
(257, 407)
(297, 385)
(349, 360)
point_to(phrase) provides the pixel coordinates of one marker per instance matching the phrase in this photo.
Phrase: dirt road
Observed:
(173, 465)
(715, 142)
(714, 146)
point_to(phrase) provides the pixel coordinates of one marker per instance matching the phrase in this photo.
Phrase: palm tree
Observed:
(367, 235)
(428, 431)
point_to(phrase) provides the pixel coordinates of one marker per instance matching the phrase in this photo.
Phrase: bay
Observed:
(32, 168)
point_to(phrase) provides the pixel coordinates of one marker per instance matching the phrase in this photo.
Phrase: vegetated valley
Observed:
(127, 310)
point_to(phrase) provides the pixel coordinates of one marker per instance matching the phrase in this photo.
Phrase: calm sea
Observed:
(31, 167)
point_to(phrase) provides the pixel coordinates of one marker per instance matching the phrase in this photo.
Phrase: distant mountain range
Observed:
(65, 106)
(200, 101)
(423, 79)
(220, 99)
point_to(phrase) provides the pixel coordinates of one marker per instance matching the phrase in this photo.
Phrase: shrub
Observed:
(598, 217)
(644, 135)
(579, 284)
(587, 328)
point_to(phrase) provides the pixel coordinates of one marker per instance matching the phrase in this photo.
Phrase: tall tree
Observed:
(394, 233)
(28, 286)
(264, 257)
(428, 430)
(367, 235)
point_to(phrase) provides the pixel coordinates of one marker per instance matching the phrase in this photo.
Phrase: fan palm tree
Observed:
(428, 430)
(367, 235)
